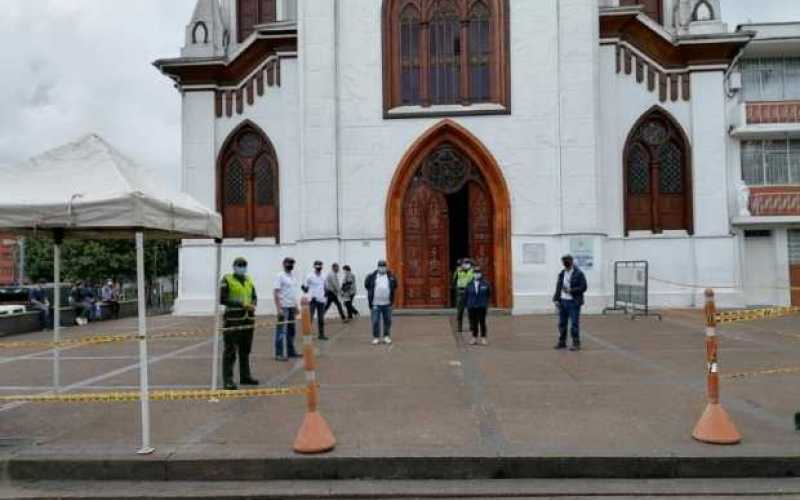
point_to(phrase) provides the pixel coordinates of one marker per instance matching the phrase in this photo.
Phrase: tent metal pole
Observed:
(144, 385)
(56, 314)
(217, 318)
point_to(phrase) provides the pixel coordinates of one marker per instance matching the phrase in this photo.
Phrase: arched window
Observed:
(200, 33)
(249, 13)
(410, 60)
(703, 12)
(652, 8)
(248, 185)
(445, 52)
(658, 192)
(480, 52)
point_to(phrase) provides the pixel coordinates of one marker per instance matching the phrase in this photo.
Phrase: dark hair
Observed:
(346, 267)
(317, 263)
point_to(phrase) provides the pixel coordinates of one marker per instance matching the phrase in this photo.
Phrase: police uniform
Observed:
(461, 278)
(237, 295)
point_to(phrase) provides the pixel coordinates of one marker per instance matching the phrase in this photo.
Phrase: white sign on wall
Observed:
(533, 253)
(582, 250)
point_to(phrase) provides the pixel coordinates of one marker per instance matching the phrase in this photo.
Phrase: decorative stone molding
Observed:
(671, 86)
(269, 73)
(777, 200)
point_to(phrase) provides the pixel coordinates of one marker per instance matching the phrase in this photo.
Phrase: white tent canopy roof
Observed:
(89, 189)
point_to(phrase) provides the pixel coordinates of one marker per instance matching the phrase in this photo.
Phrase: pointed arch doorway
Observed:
(448, 200)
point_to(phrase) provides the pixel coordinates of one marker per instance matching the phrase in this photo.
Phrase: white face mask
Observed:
(478, 276)
(466, 266)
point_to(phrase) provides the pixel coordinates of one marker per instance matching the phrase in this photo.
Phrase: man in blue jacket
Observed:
(570, 287)
(477, 295)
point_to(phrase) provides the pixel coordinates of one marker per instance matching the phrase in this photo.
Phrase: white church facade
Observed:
(511, 131)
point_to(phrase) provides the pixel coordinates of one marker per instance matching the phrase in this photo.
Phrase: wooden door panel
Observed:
(672, 211)
(481, 230)
(794, 280)
(426, 246)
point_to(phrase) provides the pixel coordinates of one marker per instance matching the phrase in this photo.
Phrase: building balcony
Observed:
(774, 201)
(767, 119)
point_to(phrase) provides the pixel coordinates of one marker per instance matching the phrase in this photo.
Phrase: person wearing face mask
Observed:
(570, 288)
(476, 297)
(284, 292)
(238, 295)
(381, 285)
(461, 278)
(315, 286)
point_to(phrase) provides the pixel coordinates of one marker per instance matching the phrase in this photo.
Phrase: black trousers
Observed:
(318, 310)
(332, 298)
(237, 343)
(460, 304)
(113, 305)
(477, 321)
(351, 309)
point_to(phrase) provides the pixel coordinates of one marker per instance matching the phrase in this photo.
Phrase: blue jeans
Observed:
(377, 313)
(284, 334)
(569, 311)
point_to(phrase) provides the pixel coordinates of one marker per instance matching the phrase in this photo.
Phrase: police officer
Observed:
(238, 295)
(461, 278)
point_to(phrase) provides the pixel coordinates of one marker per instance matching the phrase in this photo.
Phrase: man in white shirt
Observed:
(380, 286)
(314, 285)
(285, 292)
(570, 287)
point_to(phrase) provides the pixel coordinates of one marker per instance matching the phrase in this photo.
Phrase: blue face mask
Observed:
(240, 271)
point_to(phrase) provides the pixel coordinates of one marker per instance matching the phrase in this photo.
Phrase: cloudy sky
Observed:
(70, 67)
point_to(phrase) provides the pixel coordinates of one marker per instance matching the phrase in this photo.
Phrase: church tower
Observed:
(207, 34)
(699, 17)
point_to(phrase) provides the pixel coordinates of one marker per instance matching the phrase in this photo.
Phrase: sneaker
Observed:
(484, 341)
(376, 341)
(575, 347)
(323, 337)
(387, 340)
(473, 341)
(281, 358)
(248, 381)
(230, 386)
(560, 346)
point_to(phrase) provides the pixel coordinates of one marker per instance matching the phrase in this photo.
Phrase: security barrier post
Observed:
(715, 426)
(315, 435)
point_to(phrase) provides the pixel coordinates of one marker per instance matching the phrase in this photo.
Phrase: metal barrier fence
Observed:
(631, 289)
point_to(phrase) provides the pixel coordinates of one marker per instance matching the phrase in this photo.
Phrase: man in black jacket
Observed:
(381, 285)
(570, 287)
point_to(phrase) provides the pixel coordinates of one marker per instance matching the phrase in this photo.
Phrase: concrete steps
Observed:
(166, 468)
(440, 490)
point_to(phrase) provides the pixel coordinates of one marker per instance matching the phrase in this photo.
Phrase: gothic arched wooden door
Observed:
(426, 247)
(481, 244)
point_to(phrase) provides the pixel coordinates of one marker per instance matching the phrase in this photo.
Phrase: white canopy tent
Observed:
(86, 189)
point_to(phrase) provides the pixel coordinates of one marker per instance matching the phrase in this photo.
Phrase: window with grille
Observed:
(771, 79)
(657, 176)
(773, 162)
(248, 180)
(445, 52)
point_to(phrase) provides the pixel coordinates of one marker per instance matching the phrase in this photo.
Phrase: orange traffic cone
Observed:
(315, 434)
(715, 425)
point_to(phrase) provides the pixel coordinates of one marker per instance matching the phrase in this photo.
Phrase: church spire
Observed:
(207, 34)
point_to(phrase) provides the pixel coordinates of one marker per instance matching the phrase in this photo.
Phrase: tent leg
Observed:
(217, 319)
(57, 313)
(144, 385)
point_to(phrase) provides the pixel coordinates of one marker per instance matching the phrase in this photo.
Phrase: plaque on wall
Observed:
(533, 253)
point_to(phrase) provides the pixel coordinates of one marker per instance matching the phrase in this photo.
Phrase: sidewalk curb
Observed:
(395, 468)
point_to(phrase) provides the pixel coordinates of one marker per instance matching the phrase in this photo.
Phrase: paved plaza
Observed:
(636, 389)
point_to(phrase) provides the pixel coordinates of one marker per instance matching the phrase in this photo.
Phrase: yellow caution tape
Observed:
(182, 395)
(112, 339)
(759, 373)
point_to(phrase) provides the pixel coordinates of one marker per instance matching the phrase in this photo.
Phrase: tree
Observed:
(98, 260)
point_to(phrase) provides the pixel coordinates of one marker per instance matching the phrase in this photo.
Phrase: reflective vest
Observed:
(463, 278)
(238, 291)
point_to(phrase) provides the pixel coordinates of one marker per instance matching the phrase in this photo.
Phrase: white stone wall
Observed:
(560, 151)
